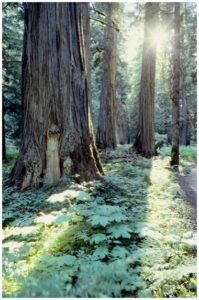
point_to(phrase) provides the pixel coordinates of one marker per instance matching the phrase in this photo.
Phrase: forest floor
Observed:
(127, 235)
(188, 184)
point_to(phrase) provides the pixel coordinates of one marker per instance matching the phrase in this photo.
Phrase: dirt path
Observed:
(188, 185)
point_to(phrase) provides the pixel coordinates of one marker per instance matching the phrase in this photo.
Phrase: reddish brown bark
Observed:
(176, 88)
(106, 131)
(145, 141)
(57, 133)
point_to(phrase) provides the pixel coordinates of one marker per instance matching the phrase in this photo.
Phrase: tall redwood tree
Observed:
(106, 131)
(145, 141)
(185, 129)
(176, 88)
(57, 130)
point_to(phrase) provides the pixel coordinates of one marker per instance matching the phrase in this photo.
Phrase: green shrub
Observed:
(187, 153)
(161, 138)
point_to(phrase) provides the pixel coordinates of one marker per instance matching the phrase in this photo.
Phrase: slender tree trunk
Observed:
(106, 131)
(144, 143)
(3, 132)
(57, 131)
(185, 134)
(176, 88)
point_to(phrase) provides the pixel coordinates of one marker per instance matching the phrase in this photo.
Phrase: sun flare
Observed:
(159, 37)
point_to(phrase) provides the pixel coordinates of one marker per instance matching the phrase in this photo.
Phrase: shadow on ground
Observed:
(124, 236)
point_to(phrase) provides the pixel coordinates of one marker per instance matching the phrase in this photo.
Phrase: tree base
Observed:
(30, 171)
(174, 156)
(141, 149)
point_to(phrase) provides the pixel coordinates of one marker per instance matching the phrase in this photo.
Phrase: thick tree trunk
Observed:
(144, 143)
(176, 88)
(106, 131)
(57, 131)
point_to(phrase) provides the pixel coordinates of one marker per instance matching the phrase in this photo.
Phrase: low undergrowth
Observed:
(128, 235)
(188, 156)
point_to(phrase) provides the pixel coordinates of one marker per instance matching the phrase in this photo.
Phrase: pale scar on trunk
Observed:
(52, 156)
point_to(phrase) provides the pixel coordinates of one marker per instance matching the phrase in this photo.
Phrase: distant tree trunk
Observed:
(185, 132)
(106, 131)
(121, 125)
(57, 131)
(3, 132)
(144, 142)
(176, 88)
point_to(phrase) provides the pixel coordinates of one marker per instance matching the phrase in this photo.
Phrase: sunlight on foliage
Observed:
(128, 233)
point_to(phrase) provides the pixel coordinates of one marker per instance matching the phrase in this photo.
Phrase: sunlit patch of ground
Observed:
(127, 235)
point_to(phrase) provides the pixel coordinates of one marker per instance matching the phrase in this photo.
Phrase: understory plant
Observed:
(128, 235)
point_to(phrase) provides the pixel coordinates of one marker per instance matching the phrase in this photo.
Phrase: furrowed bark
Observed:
(145, 141)
(106, 131)
(57, 133)
(176, 89)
